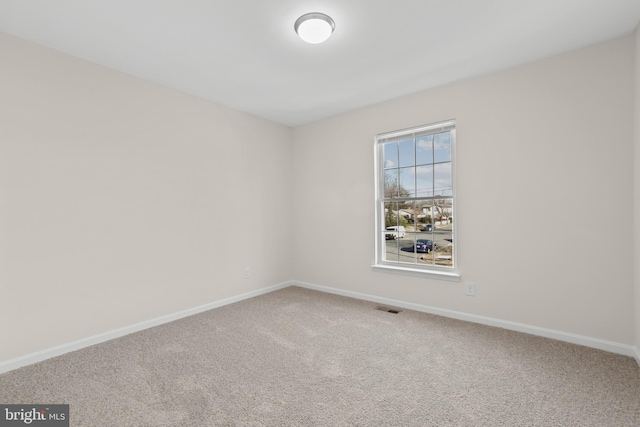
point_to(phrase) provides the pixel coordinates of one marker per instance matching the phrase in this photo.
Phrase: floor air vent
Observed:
(388, 310)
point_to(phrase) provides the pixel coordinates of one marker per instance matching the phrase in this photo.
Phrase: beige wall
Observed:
(636, 192)
(122, 201)
(544, 179)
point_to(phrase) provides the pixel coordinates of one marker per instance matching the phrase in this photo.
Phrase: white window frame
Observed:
(380, 264)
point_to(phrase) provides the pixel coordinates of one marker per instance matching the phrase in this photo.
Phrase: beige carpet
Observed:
(297, 357)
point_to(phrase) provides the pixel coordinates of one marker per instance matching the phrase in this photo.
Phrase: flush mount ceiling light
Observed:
(314, 27)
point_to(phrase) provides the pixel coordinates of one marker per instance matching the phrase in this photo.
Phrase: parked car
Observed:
(423, 245)
(397, 231)
(429, 227)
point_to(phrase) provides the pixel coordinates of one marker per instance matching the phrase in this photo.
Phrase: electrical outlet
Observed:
(470, 289)
(247, 273)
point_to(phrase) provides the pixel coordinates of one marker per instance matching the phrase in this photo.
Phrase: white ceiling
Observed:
(245, 53)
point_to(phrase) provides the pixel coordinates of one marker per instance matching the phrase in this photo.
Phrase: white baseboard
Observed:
(59, 350)
(609, 346)
(39, 356)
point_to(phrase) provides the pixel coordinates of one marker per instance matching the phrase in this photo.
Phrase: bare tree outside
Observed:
(393, 189)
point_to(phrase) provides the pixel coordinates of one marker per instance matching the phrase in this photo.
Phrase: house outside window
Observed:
(415, 200)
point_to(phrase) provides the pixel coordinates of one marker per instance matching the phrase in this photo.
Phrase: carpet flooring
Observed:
(297, 357)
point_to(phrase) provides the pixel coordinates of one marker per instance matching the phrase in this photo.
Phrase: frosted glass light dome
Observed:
(314, 27)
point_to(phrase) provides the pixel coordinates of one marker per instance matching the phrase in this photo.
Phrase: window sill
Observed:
(431, 274)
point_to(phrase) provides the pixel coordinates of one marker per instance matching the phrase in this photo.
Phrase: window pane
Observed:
(424, 150)
(389, 237)
(442, 178)
(407, 237)
(424, 210)
(407, 153)
(443, 233)
(390, 155)
(407, 182)
(425, 239)
(390, 214)
(443, 210)
(390, 249)
(408, 212)
(424, 181)
(442, 147)
(391, 183)
(407, 253)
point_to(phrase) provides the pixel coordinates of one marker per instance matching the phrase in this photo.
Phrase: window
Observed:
(415, 201)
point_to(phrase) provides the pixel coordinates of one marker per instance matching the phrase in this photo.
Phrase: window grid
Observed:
(417, 223)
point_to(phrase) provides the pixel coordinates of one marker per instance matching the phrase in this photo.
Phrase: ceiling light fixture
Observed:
(314, 27)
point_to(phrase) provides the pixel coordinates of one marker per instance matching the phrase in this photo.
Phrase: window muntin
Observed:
(415, 190)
